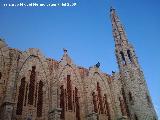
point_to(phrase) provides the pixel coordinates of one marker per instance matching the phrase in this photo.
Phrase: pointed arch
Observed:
(123, 57)
(39, 61)
(129, 55)
(70, 98)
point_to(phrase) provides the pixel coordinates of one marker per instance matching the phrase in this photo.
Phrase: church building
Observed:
(33, 87)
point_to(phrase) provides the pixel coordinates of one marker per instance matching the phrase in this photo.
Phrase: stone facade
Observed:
(33, 87)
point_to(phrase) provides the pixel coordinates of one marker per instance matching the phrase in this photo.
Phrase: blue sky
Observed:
(85, 30)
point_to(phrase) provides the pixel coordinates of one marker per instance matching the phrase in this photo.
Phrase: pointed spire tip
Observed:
(112, 9)
(65, 50)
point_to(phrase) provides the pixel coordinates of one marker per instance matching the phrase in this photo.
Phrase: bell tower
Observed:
(134, 88)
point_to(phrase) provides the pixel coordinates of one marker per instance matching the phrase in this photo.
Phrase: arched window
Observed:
(129, 55)
(123, 58)
(20, 97)
(62, 102)
(40, 99)
(31, 86)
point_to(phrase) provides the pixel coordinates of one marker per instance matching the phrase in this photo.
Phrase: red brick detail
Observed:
(26, 95)
(0, 75)
(20, 97)
(31, 86)
(77, 104)
(40, 99)
(35, 102)
(62, 103)
(69, 92)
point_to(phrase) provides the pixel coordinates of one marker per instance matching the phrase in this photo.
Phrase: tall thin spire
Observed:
(117, 29)
(131, 75)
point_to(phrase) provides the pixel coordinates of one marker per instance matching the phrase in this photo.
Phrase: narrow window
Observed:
(123, 58)
(0, 75)
(69, 92)
(129, 55)
(62, 102)
(31, 86)
(40, 99)
(20, 97)
(35, 102)
(130, 96)
(65, 99)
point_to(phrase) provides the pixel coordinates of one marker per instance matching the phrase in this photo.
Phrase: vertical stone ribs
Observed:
(69, 100)
(123, 104)
(31, 86)
(20, 97)
(101, 105)
(106, 106)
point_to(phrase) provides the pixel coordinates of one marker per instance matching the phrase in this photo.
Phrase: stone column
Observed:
(55, 114)
(92, 116)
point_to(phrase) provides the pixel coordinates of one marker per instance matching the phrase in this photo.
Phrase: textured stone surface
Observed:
(72, 92)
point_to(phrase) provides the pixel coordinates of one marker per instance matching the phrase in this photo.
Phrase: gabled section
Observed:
(65, 58)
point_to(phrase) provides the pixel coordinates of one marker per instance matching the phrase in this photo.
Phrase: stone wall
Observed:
(33, 87)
